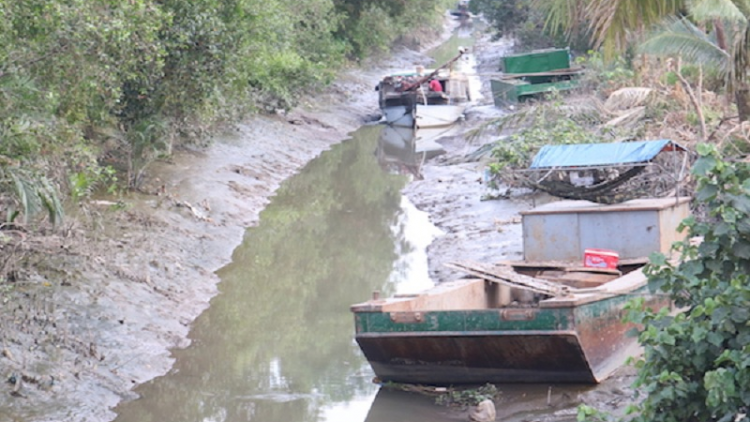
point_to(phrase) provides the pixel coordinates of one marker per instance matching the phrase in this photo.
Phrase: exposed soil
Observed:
(97, 306)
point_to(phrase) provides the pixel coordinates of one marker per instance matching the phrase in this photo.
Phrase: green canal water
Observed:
(277, 344)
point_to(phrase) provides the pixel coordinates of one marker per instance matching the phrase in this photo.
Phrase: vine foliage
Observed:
(696, 362)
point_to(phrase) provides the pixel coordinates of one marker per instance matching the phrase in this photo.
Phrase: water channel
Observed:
(277, 343)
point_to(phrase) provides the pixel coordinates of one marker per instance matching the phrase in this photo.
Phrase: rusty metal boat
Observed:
(547, 318)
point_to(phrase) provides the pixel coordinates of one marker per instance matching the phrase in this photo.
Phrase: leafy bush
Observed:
(548, 123)
(606, 75)
(506, 17)
(696, 365)
(125, 80)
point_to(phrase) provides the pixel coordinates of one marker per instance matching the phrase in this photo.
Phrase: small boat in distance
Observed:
(424, 98)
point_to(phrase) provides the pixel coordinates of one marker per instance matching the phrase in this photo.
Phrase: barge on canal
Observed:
(549, 318)
(424, 98)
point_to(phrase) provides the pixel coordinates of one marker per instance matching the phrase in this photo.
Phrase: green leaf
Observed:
(741, 203)
(699, 334)
(714, 338)
(741, 249)
(704, 149)
(658, 259)
(706, 193)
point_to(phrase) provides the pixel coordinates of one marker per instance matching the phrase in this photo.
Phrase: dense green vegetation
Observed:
(696, 363)
(94, 89)
(526, 22)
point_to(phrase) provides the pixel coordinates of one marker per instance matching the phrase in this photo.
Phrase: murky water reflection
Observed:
(277, 343)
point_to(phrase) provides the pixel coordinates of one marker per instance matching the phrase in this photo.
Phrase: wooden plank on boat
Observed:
(536, 264)
(572, 266)
(505, 274)
(582, 279)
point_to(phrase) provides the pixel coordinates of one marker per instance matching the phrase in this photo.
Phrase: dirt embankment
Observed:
(96, 306)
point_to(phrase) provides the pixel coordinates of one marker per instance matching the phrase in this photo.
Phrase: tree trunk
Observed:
(742, 97)
(721, 39)
(694, 98)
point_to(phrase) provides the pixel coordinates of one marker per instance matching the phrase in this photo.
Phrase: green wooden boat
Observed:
(462, 333)
(544, 319)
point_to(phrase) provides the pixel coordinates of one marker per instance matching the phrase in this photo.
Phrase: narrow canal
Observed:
(277, 343)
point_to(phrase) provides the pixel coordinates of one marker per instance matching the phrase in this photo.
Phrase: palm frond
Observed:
(679, 37)
(50, 200)
(706, 10)
(614, 21)
(24, 193)
(563, 16)
(627, 98)
(32, 193)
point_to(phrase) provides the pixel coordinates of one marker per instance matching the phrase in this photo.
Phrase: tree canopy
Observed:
(86, 85)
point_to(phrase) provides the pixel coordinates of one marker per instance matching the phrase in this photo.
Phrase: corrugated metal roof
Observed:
(585, 155)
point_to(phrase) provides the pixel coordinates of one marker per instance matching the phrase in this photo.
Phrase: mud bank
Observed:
(98, 306)
(452, 192)
(453, 187)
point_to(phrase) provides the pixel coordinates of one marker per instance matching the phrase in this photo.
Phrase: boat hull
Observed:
(465, 358)
(423, 116)
(575, 344)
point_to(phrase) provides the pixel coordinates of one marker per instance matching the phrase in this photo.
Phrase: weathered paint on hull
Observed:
(426, 115)
(401, 116)
(577, 344)
(464, 358)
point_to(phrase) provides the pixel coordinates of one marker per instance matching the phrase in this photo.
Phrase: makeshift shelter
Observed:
(610, 172)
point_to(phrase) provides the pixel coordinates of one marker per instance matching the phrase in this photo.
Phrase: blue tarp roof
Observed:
(584, 155)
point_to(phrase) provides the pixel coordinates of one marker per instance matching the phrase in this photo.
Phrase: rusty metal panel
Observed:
(604, 335)
(561, 231)
(633, 234)
(466, 358)
(548, 237)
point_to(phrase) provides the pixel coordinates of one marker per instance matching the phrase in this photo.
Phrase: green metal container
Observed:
(536, 61)
(511, 90)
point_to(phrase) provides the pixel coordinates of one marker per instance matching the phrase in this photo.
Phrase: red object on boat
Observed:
(600, 258)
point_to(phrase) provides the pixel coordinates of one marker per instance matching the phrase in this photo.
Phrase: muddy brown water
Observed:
(277, 343)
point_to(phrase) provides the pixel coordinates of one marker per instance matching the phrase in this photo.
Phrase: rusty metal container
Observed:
(563, 230)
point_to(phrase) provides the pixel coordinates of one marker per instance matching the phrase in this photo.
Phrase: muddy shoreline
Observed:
(118, 288)
(101, 303)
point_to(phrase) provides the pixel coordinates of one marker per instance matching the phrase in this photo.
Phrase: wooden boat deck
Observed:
(554, 287)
